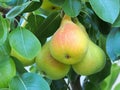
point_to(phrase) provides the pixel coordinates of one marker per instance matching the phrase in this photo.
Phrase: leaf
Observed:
(15, 2)
(4, 89)
(24, 43)
(117, 22)
(32, 6)
(17, 10)
(112, 44)
(5, 0)
(3, 29)
(72, 7)
(34, 22)
(19, 66)
(117, 87)
(107, 10)
(110, 80)
(50, 24)
(28, 81)
(5, 50)
(58, 2)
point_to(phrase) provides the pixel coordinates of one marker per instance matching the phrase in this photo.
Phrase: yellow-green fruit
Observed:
(49, 6)
(49, 66)
(7, 72)
(93, 61)
(69, 43)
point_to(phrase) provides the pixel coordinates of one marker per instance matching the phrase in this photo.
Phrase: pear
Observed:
(69, 43)
(50, 67)
(93, 62)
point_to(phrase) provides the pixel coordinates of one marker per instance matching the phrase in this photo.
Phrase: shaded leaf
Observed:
(112, 44)
(72, 7)
(19, 66)
(107, 10)
(49, 25)
(28, 81)
(32, 6)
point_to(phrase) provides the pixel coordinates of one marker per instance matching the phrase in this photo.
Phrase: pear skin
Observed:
(93, 62)
(50, 67)
(69, 43)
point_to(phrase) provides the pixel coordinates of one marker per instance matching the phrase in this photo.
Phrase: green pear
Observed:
(69, 43)
(93, 62)
(50, 67)
(7, 72)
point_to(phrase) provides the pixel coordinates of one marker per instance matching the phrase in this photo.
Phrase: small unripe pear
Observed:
(93, 62)
(69, 43)
(50, 67)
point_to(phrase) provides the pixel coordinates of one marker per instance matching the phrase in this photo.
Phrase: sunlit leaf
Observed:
(107, 10)
(24, 44)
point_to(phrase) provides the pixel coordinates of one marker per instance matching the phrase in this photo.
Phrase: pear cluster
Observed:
(70, 46)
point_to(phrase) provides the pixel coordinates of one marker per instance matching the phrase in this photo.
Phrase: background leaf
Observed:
(72, 7)
(15, 2)
(112, 44)
(28, 81)
(117, 87)
(107, 10)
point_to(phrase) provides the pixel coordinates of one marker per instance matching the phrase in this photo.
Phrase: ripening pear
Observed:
(93, 62)
(50, 67)
(69, 43)
(49, 6)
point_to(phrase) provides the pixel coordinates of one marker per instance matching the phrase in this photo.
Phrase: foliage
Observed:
(25, 26)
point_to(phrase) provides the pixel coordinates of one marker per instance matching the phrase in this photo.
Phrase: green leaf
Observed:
(72, 7)
(15, 2)
(117, 22)
(5, 0)
(3, 29)
(4, 89)
(107, 10)
(24, 44)
(28, 81)
(34, 22)
(5, 50)
(49, 25)
(113, 44)
(110, 80)
(117, 87)
(32, 6)
(17, 10)
(58, 2)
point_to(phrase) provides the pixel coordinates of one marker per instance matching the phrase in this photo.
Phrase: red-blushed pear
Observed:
(50, 67)
(93, 62)
(69, 43)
